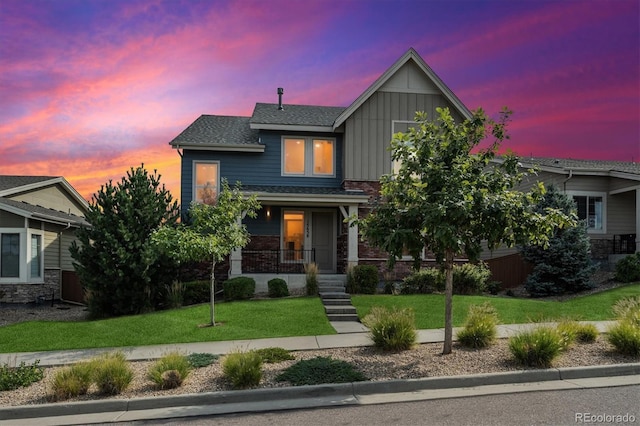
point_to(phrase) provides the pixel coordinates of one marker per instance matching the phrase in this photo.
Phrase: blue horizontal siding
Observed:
(250, 168)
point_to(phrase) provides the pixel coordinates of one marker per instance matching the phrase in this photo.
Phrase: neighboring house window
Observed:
(293, 235)
(21, 256)
(308, 157)
(592, 209)
(10, 256)
(206, 177)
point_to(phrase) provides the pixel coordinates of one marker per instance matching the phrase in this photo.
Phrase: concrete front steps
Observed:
(336, 301)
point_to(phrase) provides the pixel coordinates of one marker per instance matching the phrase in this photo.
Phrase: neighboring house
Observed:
(38, 216)
(607, 196)
(310, 166)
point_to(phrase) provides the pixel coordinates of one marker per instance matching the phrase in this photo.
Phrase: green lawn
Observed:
(429, 309)
(303, 316)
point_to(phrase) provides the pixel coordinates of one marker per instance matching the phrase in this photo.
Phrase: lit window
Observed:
(205, 182)
(293, 235)
(308, 157)
(294, 156)
(10, 256)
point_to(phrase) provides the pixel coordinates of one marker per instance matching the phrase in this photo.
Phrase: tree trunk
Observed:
(212, 286)
(448, 303)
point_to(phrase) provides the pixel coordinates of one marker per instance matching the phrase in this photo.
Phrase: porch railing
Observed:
(624, 244)
(276, 261)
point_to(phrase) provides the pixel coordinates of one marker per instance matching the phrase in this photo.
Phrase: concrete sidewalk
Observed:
(257, 400)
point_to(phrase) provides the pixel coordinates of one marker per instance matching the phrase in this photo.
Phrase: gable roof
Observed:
(295, 117)
(41, 213)
(410, 55)
(219, 132)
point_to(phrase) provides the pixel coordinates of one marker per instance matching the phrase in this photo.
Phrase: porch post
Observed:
(637, 220)
(352, 246)
(235, 258)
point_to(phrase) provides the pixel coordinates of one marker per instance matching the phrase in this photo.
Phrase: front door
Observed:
(323, 240)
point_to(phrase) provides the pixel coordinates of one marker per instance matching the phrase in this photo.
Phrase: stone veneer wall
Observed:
(601, 248)
(33, 292)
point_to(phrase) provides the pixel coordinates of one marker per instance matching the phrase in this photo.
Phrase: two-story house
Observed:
(310, 166)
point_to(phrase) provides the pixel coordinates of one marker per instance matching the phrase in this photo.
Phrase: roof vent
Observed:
(280, 92)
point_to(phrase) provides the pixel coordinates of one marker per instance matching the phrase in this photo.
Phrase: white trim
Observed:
(293, 128)
(600, 194)
(289, 199)
(222, 147)
(193, 176)
(627, 189)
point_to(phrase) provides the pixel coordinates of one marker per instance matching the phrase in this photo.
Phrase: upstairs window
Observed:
(206, 177)
(591, 209)
(313, 157)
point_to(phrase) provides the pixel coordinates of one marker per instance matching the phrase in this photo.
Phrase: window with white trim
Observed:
(591, 207)
(313, 157)
(399, 126)
(206, 181)
(21, 255)
(293, 235)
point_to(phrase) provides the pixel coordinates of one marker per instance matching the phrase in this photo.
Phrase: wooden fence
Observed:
(511, 271)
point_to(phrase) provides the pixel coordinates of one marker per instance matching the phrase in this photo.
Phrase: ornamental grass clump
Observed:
(72, 381)
(112, 373)
(481, 327)
(169, 371)
(391, 330)
(625, 334)
(242, 369)
(538, 347)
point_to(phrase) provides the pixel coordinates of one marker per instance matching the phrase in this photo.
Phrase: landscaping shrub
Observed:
(311, 271)
(536, 348)
(494, 287)
(15, 377)
(274, 355)
(480, 328)
(175, 295)
(112, 373)
(625, 338)
(196, 292)
(470, 278)
(169, 371)
(242, 369)
(573, 331)
(277, 287)
(199, 360)
(239, 288)
(365, 279)
(72, 381)
(424, 281)
(628, 268)
(351, 282)
(391, 330)
(321, 370)
(628, 309)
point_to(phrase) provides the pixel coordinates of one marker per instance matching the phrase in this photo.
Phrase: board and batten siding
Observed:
(368, 131)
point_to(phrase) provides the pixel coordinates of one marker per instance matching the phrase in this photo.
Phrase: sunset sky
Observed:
(90, 88)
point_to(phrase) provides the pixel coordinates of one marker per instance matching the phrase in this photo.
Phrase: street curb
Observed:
(340, 391)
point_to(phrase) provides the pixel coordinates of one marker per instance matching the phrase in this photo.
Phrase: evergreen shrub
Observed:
(424, 281)
(470, 278)
(628, 268)
(319, 370)
(277, 287)
(196, 292)
(365, 279)
(239, 288)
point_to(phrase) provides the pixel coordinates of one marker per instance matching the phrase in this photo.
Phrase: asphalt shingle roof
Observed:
(296, 115)
(597, 165)
(10, 182)
(217, 129)
(42, 211)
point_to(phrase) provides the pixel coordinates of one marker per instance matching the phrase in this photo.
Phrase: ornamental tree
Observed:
(451, 201)
(113, 258)
(212, 233)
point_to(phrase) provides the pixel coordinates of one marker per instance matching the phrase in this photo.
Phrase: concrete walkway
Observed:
(111, 410)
